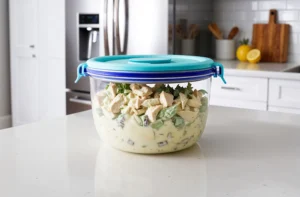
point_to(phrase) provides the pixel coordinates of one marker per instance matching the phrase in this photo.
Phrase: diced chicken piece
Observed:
(194, 102)
(135, 86)
(116, 103)
(143, 92)
(112, 90)
(147, 90)
(138, 103)
(152, 112)
(106, 101)
(189, 116)
(195, 109)
(132, 102)
(144, 85)
(197, 94)
(126, 100)
(187, 108)
(130, 95)
(108, 113)
(156, 95)
(143, 98)
(139, 111)
(183, 100)
(99, 98)
(126, 110)
(150, 102)
(166, 99)
(177, 101)
(135, 103)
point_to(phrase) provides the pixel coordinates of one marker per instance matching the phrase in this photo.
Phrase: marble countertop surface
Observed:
(242, 153)
(267, 70)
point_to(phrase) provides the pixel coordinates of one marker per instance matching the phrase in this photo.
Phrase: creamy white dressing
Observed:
(131, 137)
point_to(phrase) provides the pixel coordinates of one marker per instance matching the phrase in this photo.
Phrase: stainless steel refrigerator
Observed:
(111, 27)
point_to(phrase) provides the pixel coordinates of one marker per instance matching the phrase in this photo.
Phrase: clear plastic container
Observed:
(150, 104)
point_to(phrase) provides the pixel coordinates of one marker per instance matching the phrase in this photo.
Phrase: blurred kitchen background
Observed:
(43, 41)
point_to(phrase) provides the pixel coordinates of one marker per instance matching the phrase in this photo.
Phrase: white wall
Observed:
(244, 13)
(4, 66)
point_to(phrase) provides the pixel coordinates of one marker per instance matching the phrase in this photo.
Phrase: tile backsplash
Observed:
(243, 13)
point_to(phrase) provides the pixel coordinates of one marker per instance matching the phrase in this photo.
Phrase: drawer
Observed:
(257, 105)
(284, 93)
(284, 109)
(241, 88)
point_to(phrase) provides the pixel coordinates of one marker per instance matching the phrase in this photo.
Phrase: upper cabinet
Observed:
(37, 53)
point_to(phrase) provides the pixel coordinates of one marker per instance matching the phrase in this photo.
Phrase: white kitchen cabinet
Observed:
(241, 88)
(284, 93)
(240, 92)
(37, 50)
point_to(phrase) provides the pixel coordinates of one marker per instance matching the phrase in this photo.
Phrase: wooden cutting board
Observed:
(271, 39)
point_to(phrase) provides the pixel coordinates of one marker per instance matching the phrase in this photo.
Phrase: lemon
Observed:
(254, 56)
(243, 49)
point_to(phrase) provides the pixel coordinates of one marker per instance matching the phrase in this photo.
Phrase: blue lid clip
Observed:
(81, 71)
(219, 71)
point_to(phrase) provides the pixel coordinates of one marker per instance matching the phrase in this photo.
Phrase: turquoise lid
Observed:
(150, 68)
(150, 63)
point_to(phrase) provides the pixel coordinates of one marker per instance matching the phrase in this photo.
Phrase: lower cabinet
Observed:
(284, 93)
(240, 92)
(257, 93)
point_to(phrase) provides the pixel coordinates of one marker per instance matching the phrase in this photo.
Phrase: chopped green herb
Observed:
(203, 92)
(178, 121)
(157, 124)
(188, 90)
(178, 90)
(123, 88)
(204, 101)
(203, 108)
(138, 120)
(167, 113)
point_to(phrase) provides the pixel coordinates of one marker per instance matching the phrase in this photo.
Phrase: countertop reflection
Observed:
(242, 153)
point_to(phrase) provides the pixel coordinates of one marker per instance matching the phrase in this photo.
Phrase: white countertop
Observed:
(262, 69)
(242, 153)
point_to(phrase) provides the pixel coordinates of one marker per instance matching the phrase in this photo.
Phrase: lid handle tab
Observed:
(81, 71)
(219, 71)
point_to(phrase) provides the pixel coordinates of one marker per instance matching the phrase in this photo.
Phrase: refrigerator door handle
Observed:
(92, 39)
(105, 28)
(117, 27)
(80, 101)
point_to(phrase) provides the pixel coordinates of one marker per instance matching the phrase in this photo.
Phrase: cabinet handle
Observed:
(31, 46)
(33, 55)
(231, 88)
(80, 101)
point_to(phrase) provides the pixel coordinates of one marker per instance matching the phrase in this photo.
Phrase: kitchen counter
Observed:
(242, 153)
(267, 70)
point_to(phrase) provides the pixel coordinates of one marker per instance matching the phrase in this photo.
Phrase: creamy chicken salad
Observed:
(143, 119)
